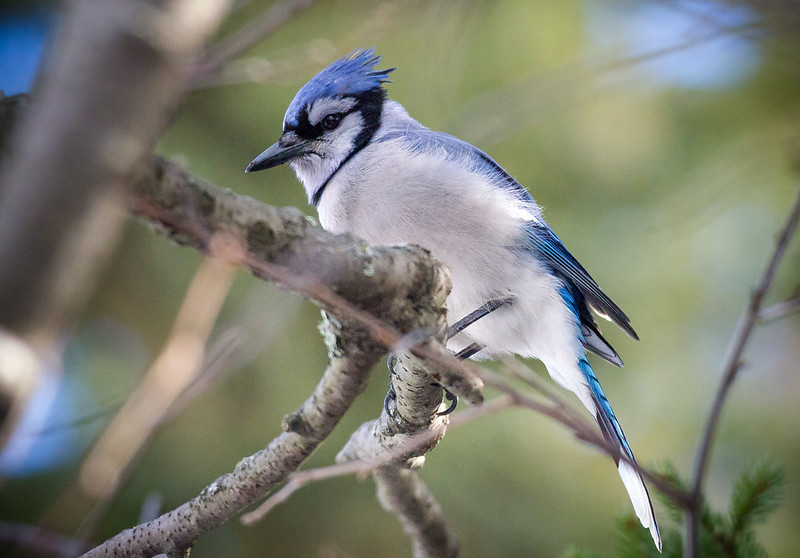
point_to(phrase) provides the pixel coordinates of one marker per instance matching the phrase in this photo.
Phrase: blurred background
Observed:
(661, 138)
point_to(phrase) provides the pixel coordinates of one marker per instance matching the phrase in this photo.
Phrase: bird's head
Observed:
(330, 119)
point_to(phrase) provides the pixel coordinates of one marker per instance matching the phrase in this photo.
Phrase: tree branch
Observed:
(418, 400)
(93, 120)
(732, 366)
(289, 248)
(401, 491)
(256, 30)
(353, 354)
(299, 479)
(350, 280)
(345, 277)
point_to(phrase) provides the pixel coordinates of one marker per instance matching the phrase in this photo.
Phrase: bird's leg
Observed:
(476, 315)
(468, 351)
(463, 354)
(472, 348)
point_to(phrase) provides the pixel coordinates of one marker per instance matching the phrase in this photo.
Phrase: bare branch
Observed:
(779, 310)
(190, 211)
(401, 491)
(93, 121)
(340, 273)
(118, 449)
(730, 369)
(363, 467)
(416, 406)
(288, 248)
(246, 37)
(341, 383)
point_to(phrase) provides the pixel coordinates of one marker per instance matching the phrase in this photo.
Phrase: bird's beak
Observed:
(289, 147)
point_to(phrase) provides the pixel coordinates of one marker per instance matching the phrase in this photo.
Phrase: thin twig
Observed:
(561, 412)
(111, 458)
(730, 369)
(247, 36)
(363, 467)
(779, 310)
(584, 430)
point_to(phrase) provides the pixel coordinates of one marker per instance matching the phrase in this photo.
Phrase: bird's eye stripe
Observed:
(318, 109)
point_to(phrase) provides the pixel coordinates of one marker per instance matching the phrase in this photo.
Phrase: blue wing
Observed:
(552, 251)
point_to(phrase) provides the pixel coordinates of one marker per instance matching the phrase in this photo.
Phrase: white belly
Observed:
(475, 229)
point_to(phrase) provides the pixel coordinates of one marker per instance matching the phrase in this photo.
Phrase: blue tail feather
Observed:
(609, 425)
(612, 431)
(611, 428)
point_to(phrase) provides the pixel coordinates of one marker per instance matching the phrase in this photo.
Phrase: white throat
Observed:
(329, 152)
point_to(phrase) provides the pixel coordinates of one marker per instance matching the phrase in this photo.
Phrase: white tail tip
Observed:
(640, 499)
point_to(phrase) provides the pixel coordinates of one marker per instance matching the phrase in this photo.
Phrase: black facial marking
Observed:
(303, 128)
(369, 104)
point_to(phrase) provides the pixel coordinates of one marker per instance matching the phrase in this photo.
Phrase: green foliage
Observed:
(756, 494)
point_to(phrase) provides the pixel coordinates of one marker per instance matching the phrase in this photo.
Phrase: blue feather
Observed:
(350, 75)
(606, 418)
(549, 247)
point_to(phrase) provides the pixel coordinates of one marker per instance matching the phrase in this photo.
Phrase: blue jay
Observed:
(373, 171)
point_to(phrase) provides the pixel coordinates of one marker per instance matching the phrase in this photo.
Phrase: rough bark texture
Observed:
(403, 285)
(415, 410)
(288, 247)
(342, 381)
(402, 492)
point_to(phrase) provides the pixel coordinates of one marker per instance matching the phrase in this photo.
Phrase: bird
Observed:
(375, 172)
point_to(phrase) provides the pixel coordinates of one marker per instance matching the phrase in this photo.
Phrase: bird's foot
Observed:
(453, 403)
(390, 402)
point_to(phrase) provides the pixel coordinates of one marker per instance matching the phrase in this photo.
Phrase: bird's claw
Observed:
(453, 403)
(391, 397)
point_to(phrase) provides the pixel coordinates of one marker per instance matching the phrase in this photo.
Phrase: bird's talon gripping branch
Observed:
(389, 402)
(453, 403)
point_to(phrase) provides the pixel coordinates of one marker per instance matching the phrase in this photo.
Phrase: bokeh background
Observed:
(661, 137)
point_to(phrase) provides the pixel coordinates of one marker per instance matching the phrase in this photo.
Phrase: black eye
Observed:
(332, 121)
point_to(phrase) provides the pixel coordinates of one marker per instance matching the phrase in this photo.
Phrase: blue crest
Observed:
(350, 75)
